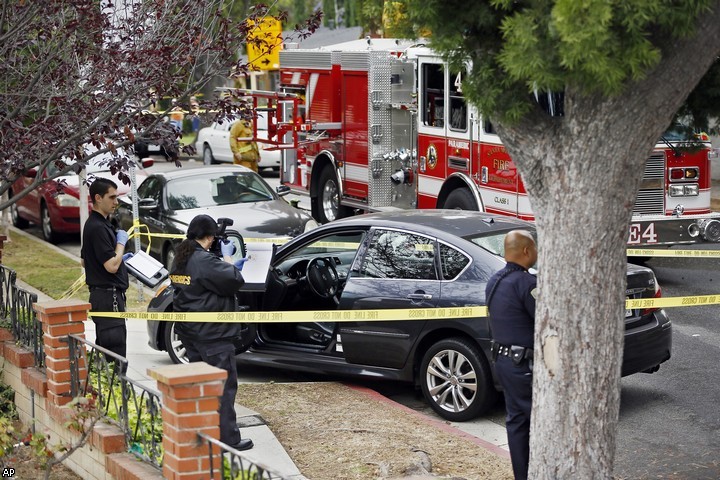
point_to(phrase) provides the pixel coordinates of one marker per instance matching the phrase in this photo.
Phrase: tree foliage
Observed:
(76, 73)
(518, 48)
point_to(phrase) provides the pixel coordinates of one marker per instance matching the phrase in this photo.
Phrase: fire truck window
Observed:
(458, 114)
(433, 90)
(458, 106)
(488, 127)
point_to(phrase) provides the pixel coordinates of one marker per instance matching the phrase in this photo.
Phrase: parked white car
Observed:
(213, 143)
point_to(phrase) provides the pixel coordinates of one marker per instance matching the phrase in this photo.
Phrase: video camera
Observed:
(221, 236)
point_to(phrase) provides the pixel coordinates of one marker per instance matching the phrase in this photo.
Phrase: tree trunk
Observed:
(582, 172)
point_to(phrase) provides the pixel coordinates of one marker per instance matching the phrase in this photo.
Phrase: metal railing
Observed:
(232, 463)
(136, 409)
(7, 282)
(16, 305)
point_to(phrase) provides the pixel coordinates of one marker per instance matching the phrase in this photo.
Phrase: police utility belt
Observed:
(516, 353)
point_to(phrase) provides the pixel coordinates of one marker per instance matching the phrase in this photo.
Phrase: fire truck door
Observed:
(458, 128)
(432, 129)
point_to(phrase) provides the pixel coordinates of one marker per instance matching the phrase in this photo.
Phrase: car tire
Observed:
(174, 346)
(208, 158)
(169, 256)
(17, 220)
(327, 201)
(446, 376)
(46, 225)
(460, 199)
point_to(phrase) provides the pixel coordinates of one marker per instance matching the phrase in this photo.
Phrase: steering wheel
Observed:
(322, 277)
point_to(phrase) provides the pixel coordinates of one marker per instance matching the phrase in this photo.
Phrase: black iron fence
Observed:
(16, 305)
(98, 373)
(232, 463)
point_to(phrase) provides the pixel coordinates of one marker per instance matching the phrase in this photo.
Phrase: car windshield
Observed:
(679, 132)
(213, 189)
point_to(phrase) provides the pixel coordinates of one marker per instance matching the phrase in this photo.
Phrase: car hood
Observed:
(259, 219)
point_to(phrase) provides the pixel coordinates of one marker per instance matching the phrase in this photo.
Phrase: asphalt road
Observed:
(670, 420)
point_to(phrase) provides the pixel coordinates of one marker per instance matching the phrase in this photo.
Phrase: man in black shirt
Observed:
(105, 272)
(510, 296)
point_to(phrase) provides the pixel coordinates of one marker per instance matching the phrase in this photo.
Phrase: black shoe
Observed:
(244, 444)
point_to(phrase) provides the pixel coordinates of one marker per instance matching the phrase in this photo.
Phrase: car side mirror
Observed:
(32, 173)
(282, 190)
(148, 204)
(147, 162)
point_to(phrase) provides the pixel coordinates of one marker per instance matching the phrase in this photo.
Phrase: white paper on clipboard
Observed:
(257, 266)
(145, 264)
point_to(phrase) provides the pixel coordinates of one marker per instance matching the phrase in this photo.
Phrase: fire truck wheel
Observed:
(460, 199)
(326, 207)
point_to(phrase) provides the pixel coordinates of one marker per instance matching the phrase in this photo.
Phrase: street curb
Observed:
(431, 421)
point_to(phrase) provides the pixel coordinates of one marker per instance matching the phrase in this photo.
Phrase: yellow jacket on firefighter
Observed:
(245, 151)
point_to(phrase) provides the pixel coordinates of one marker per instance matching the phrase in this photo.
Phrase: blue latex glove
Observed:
(122, 237)
(128, 256)
(227, 248)
(240, 263)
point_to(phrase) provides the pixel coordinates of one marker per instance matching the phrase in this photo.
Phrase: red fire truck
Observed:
(381, 124)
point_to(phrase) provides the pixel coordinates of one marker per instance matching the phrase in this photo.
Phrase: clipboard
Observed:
(256, 268)
(146, 269)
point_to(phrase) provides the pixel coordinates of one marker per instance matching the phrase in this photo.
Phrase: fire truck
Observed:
(382, 124)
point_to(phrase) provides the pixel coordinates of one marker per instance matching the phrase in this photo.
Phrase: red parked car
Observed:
(59, 213)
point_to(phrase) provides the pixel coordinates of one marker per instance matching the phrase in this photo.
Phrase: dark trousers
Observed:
(221, 354)
(110, 333)
(516, 381)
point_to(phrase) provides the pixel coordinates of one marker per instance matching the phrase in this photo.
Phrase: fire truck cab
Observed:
(381, 124)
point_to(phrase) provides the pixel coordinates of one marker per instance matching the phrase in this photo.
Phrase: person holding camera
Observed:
(510, 296)
(205, 282)
(102, 254)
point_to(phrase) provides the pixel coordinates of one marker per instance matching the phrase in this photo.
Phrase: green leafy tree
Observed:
(625, 68)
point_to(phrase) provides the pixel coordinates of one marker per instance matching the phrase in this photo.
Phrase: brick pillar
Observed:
(59, 319)
(191, 398)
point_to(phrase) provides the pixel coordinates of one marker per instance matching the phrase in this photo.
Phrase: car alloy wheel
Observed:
(174, 346)
(456, 380)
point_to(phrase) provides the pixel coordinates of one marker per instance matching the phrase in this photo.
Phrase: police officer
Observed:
(102, 255)
(203, 282)
(510, 296)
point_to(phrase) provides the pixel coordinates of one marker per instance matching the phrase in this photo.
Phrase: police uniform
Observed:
(510, 295)
(107, 290)
(209, 284)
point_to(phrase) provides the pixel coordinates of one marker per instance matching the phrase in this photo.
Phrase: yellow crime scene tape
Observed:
(383, 315)
(445, 313)
(666, 252)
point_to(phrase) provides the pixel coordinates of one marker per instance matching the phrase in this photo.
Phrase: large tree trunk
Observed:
(582, 172)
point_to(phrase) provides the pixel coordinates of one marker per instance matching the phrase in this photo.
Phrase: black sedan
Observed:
(168, 201)
(409, 259)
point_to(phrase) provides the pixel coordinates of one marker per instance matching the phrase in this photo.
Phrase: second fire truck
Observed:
(380, 124)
